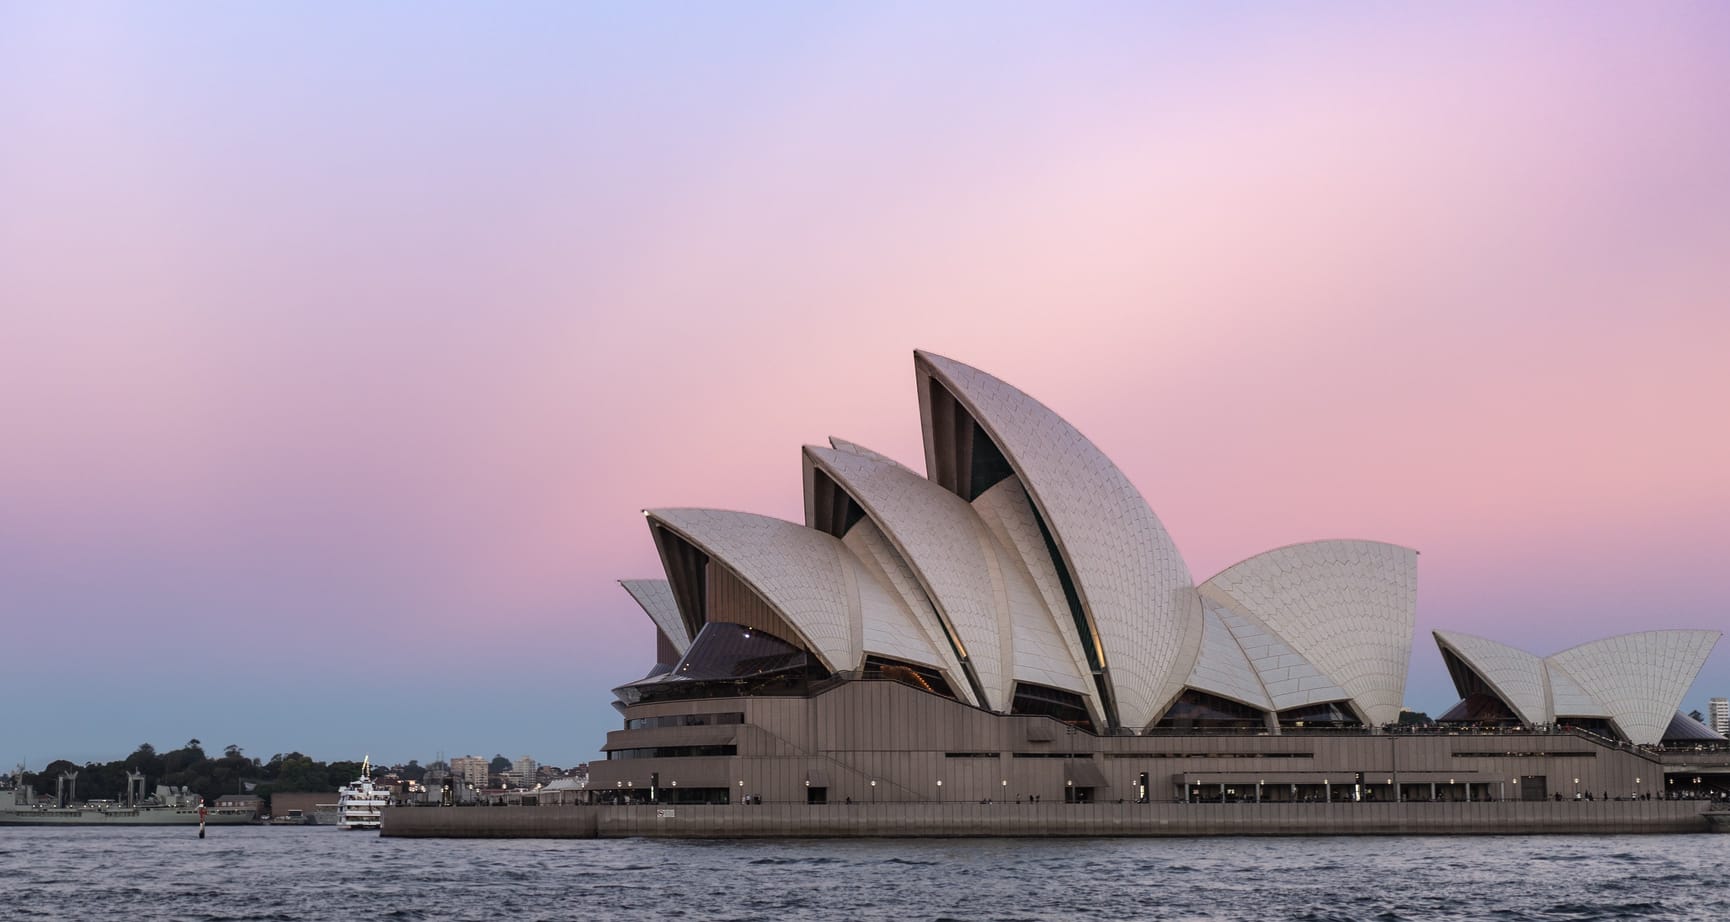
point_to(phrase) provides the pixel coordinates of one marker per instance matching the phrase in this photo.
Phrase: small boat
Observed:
(360, 805)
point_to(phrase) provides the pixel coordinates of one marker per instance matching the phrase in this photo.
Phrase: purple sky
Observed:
(340, 347)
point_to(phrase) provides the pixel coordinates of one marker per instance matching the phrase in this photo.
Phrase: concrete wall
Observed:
(907, 740)
(915, 820)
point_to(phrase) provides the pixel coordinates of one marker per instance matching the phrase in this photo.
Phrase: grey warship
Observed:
(169, 806)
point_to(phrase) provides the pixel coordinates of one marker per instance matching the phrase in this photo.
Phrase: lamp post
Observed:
(741, 792)
(940, 790)
(1004, 796)
(873, 790)
(1576, 789)
(1636, 789)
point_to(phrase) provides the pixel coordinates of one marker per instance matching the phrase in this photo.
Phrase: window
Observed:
(673, 752)
(685, 720)
(923, 678)
(1052, 702)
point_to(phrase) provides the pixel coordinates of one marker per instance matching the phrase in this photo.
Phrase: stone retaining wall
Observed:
(1002, 819)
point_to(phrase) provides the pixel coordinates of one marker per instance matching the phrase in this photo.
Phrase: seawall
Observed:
(1004, 819)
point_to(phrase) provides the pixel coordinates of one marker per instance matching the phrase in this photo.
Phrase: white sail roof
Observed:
(1517, 677)
(1290, 680)
(800, 572)
(1636, 681)
(900, 622)
(1348, 608)
(1567, 697)
(1640, 677)
(656, 598)
(1223, 668)
(1048, 648)
(949, 550)
(1130, 581)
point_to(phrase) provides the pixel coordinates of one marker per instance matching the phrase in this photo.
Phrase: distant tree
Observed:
(338, 774)
(413, 771)
(145, 759)
(1415, 717)
(499, 764)
(232, 751)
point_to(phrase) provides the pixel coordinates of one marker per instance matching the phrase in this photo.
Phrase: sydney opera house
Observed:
(1015, 623)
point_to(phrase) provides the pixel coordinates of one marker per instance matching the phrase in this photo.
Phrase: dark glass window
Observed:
(921, 677)
(1479, 708)
(1052, 702)
(685, 720)
(673, 752)
(733, 651)
(1195, 710)
(1333, 714)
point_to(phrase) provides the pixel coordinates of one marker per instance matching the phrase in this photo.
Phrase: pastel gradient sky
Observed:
(340, 345)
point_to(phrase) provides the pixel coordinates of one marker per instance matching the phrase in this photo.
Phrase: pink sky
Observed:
(392, 320)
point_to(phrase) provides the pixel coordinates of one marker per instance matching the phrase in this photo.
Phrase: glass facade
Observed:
(1052, 702)
(1196, 710)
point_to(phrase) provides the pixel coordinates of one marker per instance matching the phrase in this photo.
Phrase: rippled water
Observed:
(326, 874)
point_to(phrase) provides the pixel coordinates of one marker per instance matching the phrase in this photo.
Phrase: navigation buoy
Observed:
(201, 812)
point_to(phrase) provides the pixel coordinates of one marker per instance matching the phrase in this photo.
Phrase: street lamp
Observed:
(873, 790)
(940, 790)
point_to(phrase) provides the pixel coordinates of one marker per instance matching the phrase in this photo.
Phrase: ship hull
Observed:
(120, 817)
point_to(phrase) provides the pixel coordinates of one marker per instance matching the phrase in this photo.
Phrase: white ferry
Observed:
(361, 803)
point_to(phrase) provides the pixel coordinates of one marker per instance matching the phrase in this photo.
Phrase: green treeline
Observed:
(191, 767)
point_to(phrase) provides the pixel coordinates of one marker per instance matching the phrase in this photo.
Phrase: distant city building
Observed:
(523, 772)
(240, 802)
(470, 769)
(1718, 716)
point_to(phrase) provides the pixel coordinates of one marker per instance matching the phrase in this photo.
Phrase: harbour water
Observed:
(317, 874)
